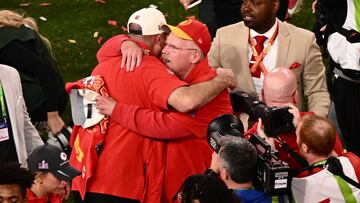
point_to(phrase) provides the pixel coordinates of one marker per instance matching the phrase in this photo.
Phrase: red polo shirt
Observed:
(131, 165)
(191, 154)
(31, 198)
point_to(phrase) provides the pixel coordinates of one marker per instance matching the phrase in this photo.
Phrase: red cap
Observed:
(194, 30)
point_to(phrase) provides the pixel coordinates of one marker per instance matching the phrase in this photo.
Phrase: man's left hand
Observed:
(227, 75)
(105, 105)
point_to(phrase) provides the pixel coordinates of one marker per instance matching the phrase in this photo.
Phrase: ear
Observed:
(276, 5)
(295, 97)
(196, 57)
(224, 174)
(304, 147)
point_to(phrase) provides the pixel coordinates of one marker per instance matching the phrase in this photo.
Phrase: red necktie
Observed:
(260, 39)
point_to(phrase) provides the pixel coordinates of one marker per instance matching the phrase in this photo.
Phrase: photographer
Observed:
(316, 139)
(279, 90)
(337, 29)
(236, 165)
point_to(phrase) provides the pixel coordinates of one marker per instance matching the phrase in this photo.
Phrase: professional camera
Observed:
(272, 174)
(61, 140)
(276, 120)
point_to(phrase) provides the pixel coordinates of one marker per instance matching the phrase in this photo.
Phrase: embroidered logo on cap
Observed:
(63, 156)
(43, 165)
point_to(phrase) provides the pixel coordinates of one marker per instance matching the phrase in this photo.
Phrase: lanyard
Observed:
(259, 57)
(2, 102)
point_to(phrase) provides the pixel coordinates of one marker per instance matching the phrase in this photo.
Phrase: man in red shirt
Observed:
(131, 167)
(187, 151)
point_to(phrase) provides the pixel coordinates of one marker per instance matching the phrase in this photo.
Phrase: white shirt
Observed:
(269, 60)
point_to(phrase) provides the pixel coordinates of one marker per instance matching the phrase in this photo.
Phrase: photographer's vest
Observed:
(323, 186)
(90, 128)
(342, 52)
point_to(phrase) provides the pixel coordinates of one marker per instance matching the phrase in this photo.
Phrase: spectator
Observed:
(18, 136)
(337, 30)
(22, 47)
(144, 87)
(217, 14)
(182, 131)
(286, 46)
(53, 174)
(279, 90)
(14, 181)
(236, 165)
(205, 189)
(316, 139)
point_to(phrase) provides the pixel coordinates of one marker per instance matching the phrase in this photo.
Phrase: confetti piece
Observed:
(44, 4)
(100, 39)
(25, 4)
(112, 22)
(100, 1)
(72, 41)
(43, 18)
(124, 28)
(96, 34)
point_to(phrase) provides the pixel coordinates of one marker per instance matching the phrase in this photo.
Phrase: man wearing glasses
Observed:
(187, 151)
(135, 163)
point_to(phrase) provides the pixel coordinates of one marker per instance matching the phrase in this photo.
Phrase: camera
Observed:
(61, 140)
(276, 120)
(272, 174)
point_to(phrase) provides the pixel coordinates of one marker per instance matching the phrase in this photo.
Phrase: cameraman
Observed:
(280, 89)
(337, 29)
(236, 165)
(316, 139)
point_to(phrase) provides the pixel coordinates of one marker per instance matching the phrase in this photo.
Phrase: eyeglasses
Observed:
(171, 46)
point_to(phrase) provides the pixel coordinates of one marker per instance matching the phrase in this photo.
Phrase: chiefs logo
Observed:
(186, 22)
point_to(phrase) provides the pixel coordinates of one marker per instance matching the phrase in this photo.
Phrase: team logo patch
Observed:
(185, 22)
(63, 156)
(43, 165)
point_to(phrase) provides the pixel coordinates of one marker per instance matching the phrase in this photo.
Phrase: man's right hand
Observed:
(131, 55)
(105, 105)
(226, 75)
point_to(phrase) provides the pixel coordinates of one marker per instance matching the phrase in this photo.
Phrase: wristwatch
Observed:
(210, 172)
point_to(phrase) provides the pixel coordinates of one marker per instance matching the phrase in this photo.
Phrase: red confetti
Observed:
(124, 28)
(294, 66)
(112, 22)
(45, 4)
(100, 1)
(99, 40)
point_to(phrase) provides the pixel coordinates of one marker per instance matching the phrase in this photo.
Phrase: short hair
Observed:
(318, 134)
(12, 173)
(207, 189)
(238, 156)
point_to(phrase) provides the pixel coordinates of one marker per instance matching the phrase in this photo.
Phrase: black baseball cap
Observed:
(48, 158)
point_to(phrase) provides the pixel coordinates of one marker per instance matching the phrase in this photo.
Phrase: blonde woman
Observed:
(22, 47)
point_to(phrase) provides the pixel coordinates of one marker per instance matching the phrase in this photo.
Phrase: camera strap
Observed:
(292, 153)
(333, 165)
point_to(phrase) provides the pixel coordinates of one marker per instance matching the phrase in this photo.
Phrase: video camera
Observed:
(272, 174)
(276, 120)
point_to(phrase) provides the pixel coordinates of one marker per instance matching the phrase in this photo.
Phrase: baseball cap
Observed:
(149, 19)
(48, 158)
(194, 30)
